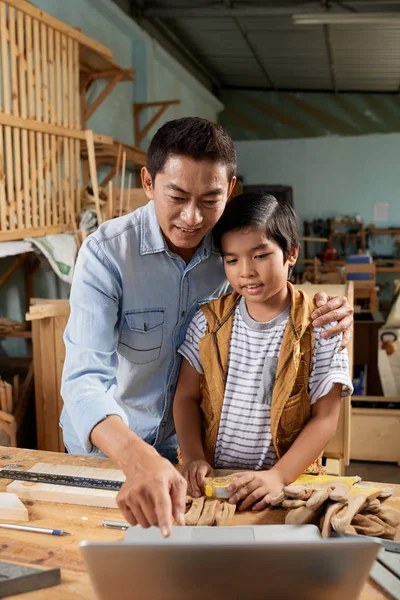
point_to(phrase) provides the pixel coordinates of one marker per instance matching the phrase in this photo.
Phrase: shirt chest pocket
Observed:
(142, 335)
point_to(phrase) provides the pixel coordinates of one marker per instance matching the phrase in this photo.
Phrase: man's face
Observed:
(189, 198)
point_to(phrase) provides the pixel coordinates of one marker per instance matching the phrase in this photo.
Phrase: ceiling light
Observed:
(347, 19)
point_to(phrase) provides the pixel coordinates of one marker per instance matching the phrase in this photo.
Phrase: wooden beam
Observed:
(128, 74)
(108, 177)
(33, 125)
(101, 97)
(43, 17)
(140, 134)
(20, 234)
(12, 268)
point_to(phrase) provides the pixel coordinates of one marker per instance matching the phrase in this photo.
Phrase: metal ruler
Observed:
(83, 482)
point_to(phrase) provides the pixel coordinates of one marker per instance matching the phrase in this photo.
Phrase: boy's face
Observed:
(189, 198)
(254, 265)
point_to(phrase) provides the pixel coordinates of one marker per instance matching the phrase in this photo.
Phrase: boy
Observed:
(259, 388)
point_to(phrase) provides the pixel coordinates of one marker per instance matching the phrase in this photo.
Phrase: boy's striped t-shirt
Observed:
(244, 438)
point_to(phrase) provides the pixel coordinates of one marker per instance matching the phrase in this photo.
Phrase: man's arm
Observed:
(91, 338)
(152, 484)
(334, 308)
(154, 492)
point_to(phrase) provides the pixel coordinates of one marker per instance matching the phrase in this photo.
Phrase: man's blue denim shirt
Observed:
(131, 302)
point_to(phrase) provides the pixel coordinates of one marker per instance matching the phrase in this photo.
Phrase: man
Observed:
(138, 281)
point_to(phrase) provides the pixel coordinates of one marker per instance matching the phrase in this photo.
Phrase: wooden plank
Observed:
(46, 119)
(15, 111)
(7, 111)
(122, 183)
(64, 75)
(40, 179)
(3, 201)
(70, 63)
(65, 494)
(22, 69)
(72, 164)
(47, 179)
(3, 397)
(11, 508)
(32, 125)
(58, 25)
(58, 78)
(37, 342)
(9, 397)
(93, 172)
(50, 411)
(67, 187)
(60, 324)
(38, 118)
(18, 234)
(31, 114)
(60, 191)
(53, 170)
(77, 122)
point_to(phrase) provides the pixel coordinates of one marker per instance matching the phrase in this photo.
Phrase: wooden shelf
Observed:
(107, 154)
(93, 63)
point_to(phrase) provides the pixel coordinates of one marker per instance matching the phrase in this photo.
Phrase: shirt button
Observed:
(171, 387)
(163, 424)
(182, 314)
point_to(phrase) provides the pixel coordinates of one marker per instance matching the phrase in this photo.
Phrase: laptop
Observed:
(262, 562)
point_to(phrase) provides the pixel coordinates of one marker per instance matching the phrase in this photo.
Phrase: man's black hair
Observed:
(193, 137)
(258, 209)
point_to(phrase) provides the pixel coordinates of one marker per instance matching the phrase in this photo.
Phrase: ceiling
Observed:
(254, 44)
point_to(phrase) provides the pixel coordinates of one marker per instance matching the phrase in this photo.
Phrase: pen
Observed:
(34, 529)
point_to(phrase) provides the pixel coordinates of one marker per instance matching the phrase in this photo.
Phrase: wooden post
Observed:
(121, 194)
(22, 68)
(93, 172)
(31, 114)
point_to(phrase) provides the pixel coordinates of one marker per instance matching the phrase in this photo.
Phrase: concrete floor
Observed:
(375, 471)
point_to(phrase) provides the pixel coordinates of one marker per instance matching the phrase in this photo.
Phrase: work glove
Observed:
(208, 511)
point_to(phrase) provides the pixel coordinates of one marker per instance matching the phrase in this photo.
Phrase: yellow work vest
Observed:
(290, 407)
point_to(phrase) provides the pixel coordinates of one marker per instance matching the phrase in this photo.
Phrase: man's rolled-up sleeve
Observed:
(91, 339)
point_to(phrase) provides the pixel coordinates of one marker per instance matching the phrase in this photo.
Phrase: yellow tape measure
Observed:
(217, 487)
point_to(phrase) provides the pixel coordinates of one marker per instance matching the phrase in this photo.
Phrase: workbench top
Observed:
(85, 523)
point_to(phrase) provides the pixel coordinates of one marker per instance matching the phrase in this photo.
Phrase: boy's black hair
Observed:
(259, 209)
(194, 137)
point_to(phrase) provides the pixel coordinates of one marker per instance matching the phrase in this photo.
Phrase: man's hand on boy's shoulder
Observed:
(194, 472)
(334, 308)
(257, 489)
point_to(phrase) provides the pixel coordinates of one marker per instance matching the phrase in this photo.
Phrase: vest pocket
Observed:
(142, 335)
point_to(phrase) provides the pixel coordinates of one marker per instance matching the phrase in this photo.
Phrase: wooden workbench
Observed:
(85, 523)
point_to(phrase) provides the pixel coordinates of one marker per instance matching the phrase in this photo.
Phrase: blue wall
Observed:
(330, 175)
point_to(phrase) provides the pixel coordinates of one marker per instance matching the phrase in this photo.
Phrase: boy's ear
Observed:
(293, 255)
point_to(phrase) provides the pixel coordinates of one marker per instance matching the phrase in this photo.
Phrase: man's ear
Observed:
(293, 255)
(147, 183)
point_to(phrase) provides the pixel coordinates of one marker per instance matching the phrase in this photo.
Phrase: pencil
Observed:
(34, 529)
